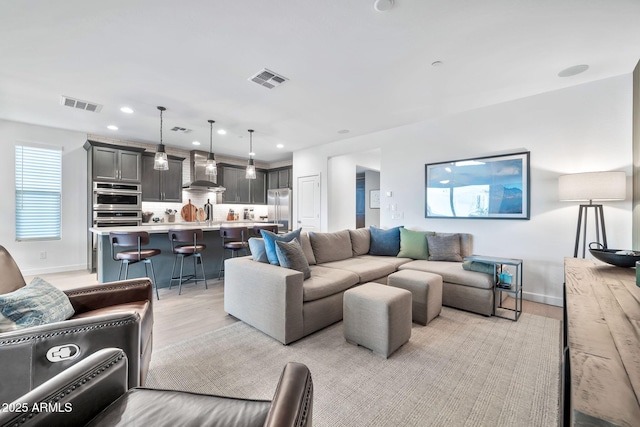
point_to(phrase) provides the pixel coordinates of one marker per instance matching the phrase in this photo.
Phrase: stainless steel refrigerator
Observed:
(279, 207)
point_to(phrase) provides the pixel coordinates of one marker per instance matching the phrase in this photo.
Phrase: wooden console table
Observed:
(602, 311)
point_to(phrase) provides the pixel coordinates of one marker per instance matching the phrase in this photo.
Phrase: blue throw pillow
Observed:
(36, 304)
(270, 242)
(385, 242)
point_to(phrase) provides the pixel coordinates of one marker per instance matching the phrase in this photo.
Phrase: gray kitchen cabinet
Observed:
(239, 189)
(280, 178)
(161, 186)
(114, 164)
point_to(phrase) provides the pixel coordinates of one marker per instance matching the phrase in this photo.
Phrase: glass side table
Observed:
(511, 284)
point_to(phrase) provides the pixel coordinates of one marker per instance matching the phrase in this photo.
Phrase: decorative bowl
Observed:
(617, 257)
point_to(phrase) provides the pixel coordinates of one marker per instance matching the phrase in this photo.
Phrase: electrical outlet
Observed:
(397, 215)
(43, 255)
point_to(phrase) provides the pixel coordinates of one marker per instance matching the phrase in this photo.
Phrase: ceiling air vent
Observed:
(181, 130)
(82, 105)
(268, 79)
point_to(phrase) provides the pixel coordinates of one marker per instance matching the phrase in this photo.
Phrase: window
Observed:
(38, 192)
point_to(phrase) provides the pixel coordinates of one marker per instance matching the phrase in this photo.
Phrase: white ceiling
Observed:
(350, 67)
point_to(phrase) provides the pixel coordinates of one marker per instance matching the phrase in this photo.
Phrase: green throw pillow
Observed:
(36, 304)
(413, 244)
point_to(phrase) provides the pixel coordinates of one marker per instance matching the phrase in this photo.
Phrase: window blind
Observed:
(38, 193)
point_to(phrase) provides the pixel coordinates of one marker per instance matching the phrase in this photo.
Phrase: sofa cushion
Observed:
(367, 269)
(395, 261)
(270, 242)
(360, 241)
(444, 247)
(258, 250)
(452, 272)
(413, 244)
(329, 247)
(326, 281)
(291, 255)
(36, 304)
(385, 242)
(306, 247)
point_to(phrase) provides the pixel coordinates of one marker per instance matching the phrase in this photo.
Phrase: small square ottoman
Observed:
(426, 289)
(377, 317)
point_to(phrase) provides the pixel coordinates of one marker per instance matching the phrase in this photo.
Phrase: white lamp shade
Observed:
(593, 186)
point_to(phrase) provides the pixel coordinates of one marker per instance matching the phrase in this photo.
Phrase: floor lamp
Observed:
(591, 186)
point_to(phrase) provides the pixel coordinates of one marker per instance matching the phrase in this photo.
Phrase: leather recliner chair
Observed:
(94, 393)
(117, 314)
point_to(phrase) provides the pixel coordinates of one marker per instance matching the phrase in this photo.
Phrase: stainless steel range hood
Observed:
(199, 179)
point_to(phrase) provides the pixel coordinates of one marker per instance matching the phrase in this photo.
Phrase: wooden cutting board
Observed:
(189, 212)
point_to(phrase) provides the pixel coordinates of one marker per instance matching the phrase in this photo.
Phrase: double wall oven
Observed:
(116, 204)
(113, 204)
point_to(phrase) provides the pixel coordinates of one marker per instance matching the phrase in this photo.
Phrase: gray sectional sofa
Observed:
(281, 303)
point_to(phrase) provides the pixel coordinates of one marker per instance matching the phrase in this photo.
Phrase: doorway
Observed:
(367, 205)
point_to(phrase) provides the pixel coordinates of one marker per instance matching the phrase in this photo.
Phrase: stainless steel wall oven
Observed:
(113, 196)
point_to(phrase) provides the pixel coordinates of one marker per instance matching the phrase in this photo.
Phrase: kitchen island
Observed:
(107, 269)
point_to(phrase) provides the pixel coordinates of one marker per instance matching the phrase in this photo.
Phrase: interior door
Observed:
(308, 202)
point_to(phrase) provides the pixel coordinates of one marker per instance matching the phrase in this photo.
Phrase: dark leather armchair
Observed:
(94, 393)
(117, 314)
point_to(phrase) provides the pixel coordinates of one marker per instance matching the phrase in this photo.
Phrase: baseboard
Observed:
(544, 299)
(56, 269)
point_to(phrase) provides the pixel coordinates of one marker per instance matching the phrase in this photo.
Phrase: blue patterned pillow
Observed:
(37, 304)
(385, 242)
(270, 242)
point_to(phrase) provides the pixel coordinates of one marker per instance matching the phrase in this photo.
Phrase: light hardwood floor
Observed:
(198, 310)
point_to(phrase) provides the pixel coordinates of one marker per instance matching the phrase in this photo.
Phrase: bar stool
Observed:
(270, 227)
(230, 236)
(130, 239)
(191, 247)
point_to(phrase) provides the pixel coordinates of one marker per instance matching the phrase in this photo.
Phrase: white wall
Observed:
(69, 253)
(579, 129)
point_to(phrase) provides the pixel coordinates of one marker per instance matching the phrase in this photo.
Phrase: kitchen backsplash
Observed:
(199, 199)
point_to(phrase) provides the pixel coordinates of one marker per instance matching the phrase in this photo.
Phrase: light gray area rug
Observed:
(460, 370)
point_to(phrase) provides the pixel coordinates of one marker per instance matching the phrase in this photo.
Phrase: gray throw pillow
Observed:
(291, 255)
(36, 304)
(444, 247)
(258, 251)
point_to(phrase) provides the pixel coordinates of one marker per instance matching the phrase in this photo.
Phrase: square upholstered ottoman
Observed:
(377, 317)
(426, 289)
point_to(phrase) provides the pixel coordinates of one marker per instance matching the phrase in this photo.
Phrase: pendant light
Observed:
(211, 169)
(251, 168)
(160, 161)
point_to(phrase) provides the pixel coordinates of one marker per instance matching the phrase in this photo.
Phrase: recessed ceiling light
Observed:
(343, 131)
(280, 146)
(126, 110)
(222, 132)
(572, 71)
(436, 63)
(112, 127)
(196, 142)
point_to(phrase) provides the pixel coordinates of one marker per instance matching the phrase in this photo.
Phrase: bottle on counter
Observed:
(208, 210)
(230, 215)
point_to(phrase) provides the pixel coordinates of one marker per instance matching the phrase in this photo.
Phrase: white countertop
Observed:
(164, 227)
